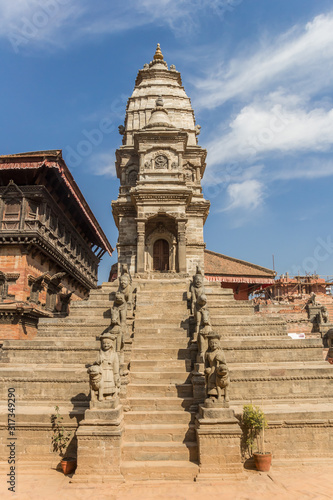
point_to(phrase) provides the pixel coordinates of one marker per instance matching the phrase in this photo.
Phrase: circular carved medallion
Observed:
(161, 161)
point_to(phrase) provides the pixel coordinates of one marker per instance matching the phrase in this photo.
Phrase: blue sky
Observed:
(259, 74)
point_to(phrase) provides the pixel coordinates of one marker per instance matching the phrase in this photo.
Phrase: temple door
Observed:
(161, 255)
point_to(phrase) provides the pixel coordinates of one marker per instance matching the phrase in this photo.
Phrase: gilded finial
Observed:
(158, 54)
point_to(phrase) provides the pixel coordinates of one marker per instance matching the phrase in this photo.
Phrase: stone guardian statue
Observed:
(216, 373)
(104, 373)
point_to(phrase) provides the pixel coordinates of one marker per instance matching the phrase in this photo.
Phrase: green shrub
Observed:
(254, 423)
(60, 436)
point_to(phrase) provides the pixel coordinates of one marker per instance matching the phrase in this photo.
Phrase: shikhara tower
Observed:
(160, 211)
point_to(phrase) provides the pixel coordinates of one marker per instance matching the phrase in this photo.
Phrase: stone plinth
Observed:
(219, 436)
(198, 383)
(99, 440)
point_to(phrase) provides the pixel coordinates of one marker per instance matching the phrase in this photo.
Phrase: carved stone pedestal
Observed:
(99, 439)
(199, 388)
(219, 436)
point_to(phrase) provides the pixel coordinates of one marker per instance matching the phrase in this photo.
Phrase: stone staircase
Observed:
(288, 378)
(159, 440)
(51, 370)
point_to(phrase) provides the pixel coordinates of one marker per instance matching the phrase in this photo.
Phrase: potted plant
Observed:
(60, 441)
(254, 425)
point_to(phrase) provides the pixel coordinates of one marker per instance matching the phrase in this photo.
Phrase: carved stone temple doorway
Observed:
(161, 255)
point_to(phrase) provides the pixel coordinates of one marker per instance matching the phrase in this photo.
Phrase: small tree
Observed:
(60, 436)
(254, 425)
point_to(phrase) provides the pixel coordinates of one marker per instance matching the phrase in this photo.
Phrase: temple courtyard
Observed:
(306, 481)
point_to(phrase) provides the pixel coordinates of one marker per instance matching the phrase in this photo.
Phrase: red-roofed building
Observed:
(243, 277)
(50, 241)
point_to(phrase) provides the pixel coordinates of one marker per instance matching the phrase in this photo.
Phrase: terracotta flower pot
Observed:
(262, 461)
(68, 465)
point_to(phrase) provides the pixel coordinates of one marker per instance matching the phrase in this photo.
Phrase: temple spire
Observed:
(158, 54)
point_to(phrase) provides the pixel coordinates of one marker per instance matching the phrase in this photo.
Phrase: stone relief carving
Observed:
(161, 162)
(121, 129)
(104, 375)
(216, 373)
(189, 175)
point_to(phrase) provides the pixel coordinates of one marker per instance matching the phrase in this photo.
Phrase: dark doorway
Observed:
(161, 255)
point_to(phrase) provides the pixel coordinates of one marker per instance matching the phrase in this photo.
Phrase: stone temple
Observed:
(171, 357)
(160, 211)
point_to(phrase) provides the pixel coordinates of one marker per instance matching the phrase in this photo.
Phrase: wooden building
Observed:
(50, 241)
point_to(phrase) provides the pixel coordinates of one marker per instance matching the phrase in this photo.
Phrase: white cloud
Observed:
(277, 124)
(247, 195)
(36, 22)
(46, 23)
(313, 168)
(300, 60)
(103, 164)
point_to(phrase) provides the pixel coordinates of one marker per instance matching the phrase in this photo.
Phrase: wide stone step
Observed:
(279, 350)
(238, 329)
(159, 432)
(135, 390)
(281, 381)
(158, 417)
(158, 353)
(162, 330)
(163, 342)
(45, 382)
(292, 411)
(160, 365)
(158, 322)
(162, 312)
(177, 376)
(160, 451)
(298, 430)
(159, 404)
(52, 355)
(159, 470)
(92, 303)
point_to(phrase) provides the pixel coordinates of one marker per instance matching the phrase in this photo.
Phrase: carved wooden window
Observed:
(12, 212)
(67, 237)
(32, 214)
(32, 210)
(53, 221)
(61, 232)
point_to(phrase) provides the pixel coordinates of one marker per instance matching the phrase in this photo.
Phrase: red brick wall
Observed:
(13, 260)
(240, 291)
(17, 332)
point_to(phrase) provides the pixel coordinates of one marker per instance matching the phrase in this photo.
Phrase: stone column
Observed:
(140, 253)
(181, 246)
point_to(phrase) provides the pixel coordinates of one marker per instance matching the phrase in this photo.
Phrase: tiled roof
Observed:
(217, 264)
